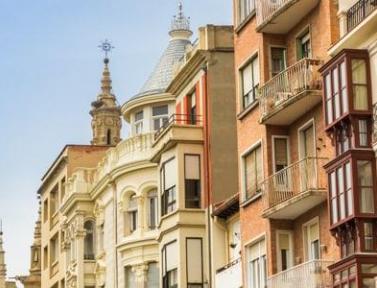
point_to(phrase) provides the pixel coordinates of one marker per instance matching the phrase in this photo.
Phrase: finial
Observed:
(180, 21)
(106, 47)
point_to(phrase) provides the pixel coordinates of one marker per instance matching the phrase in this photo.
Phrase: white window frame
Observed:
(163, 118)
(242, 16)
(253, 57)
(300, 131)
(247, 247)
(243, 166)
(291, 249)
(305, 239)
(138, 124)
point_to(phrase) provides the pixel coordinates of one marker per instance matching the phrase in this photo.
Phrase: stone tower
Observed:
(3, 270)
(106, 121)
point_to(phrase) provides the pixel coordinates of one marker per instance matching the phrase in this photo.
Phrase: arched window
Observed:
(89, 240)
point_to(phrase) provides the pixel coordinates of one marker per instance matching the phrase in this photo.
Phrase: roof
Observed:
(228, 207)
(162, 74)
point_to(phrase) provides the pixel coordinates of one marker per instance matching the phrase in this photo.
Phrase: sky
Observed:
(50, 70)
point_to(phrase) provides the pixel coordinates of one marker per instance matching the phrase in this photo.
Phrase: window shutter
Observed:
(192, 167)
(281, 147)
(171, 256)
(170, 173)
(194, 261)
(247, 80)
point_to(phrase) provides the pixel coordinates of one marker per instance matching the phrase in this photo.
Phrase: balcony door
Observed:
(282, 179)
(311, 240)
(307, 152)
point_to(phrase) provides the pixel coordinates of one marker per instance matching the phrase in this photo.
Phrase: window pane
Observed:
(160, 110)
(342, 204)
(360, 97)
(152, 277)
(368, 236)
(343, 85)
(139, 116)
(349, 188)
(281, 153)
(170, 173)
(192, 167)
(247, 80)
(359, 71)
(363, 132)
(130, 278)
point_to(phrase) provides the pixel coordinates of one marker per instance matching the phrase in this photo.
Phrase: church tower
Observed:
(106, 120)
(3, 270)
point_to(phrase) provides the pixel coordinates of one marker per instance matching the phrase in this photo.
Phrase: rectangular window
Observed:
(250, 82)
(311, 240)
(193, 113)
(45, 257)
(363, 133)
(54, 200)
(253, 172)
(359, 84)
(285, 250)
(257, 265)
(278, 60)
(194, 262)
(192, 181)
(303, 45)
(45, 210)
(245, 8)
(168, 186)
(139, 117)
(365, 182)
(368, 236)
(54, 249)
(170, 265)
(132, 213)
(160, 116)
(152, 276)
(130, 277)
(280, 153)
(152, 197)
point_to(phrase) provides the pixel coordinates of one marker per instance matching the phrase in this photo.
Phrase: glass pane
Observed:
(360, 97)
(369, 283)
(359, 71)
(369, 268)
(160, 110)
(139, 116)
(343, 85)
(366, 200)
(368, 236)
(363, 132)
(365, 173)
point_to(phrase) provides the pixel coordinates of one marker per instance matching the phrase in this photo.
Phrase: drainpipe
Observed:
(206, 150)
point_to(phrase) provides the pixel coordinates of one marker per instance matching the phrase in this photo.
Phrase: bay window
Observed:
(365, 183)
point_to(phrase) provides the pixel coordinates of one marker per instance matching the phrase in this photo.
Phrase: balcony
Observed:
(180, 128)
(280, 16)
(230, 275)
(291, 93)
(357, 23)
(294, 190)
(312, 274)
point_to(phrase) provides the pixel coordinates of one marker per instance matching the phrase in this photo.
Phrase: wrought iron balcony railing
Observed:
(358, 12)
(300, 177)
(312, 274)
(293, 81)
(179, 119)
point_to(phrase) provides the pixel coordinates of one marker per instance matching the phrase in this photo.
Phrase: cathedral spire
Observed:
(3, 270)
(106, 122)
(180, 26)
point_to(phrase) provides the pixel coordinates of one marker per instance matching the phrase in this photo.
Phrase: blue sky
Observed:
(50, 69)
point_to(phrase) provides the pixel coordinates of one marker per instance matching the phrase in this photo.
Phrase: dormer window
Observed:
(139, 117)
(160, 116)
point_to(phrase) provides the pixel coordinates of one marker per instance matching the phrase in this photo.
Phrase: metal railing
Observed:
(229, 275)
(358, 12)
(179, 119)
(312, 274)
(289, 83)
(302, 176)
(265, 9)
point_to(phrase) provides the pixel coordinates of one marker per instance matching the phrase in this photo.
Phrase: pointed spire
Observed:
(106, 78)
(180, 26)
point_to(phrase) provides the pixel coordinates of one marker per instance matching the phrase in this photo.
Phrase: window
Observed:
(152, 276)
(245, 8)
(369, 237)
(345, 278)
(130, 277)
(303, 45)
(54, 200)
(365, 182)
(359, 84)
(89, 240)
(54, 249)
(311, 240)
(62, 189)
(168, 186)
(192, 181)
(278, 60)
(341, 193)
(253, 172)
(250, 82)
(152, 200)
(284, 250)
(170, 265)
(45, 210)
(343, 138)
(160, 116)
(363, 133)
(132, 213)
(101, 237)
(336, 92)
(194, 262)
(139, 116)
(257, 265)
(45, 257)
(280, 153)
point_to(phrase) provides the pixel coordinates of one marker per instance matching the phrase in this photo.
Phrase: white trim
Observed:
(256, 239)
(305, 241)
(300, 35)
(247, 61)
(273, 150)
(242, 168)
(291, 249)
(300, 130)
(247, 245)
